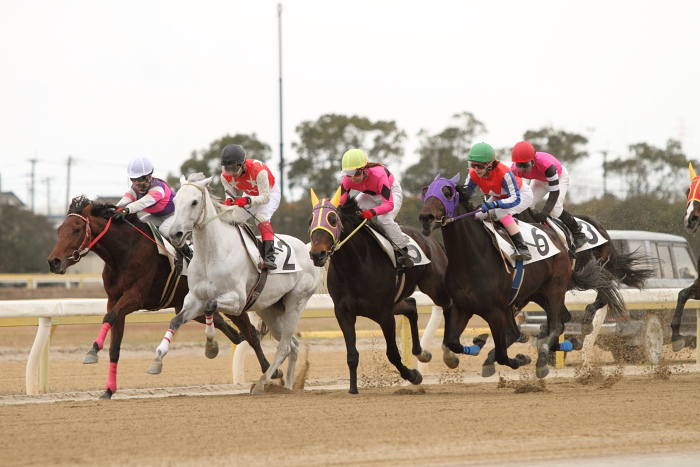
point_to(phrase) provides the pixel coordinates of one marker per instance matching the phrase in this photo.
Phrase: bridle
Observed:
(320, 222)
(450, 204)
(88, 242)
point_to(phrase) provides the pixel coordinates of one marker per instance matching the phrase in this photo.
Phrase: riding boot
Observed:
(269, 254)
(404, 259)
(574, 228)
(522, 251)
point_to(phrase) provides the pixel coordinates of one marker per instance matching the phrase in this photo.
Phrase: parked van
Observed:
(641, 337)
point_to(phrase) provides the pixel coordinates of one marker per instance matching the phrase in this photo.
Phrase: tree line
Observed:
(653, 179)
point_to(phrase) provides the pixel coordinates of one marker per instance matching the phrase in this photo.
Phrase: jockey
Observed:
(261, 195)
(548, 177)
(507, 193)
(380, 196)
(150, 195)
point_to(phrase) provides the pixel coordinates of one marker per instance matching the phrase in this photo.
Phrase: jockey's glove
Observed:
(121, 214)
(227, 202)
(487, 206)
(368, 214)
(242, 201)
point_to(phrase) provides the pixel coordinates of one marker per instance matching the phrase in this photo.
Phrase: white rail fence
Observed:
(47, 314)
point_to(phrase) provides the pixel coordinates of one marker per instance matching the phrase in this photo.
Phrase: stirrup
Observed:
(405, 261)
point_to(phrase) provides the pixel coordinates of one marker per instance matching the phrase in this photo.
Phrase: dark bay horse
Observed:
(628, 268)
(134, 276)
(480, 281)
(691, 220)
(363, 281)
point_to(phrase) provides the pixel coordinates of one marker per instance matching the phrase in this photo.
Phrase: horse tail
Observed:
(592, 276)
(631, 269)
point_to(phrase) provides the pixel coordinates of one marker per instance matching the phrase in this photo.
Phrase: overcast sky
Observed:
(103, 82)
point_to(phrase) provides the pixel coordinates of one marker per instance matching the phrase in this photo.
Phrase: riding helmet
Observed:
(523, 152)
(481, 152)
(354, 159)
(232, 154)
(138, 167)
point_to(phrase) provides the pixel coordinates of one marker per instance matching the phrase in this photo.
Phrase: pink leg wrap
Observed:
(100, 341)
(112, 379)
(507, 220)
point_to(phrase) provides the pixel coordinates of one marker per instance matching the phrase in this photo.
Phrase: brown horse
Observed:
(481, 282)
(363, 281)
(691, 222)
(134, 276)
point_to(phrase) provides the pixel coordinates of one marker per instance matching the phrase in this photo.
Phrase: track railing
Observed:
(47, 314)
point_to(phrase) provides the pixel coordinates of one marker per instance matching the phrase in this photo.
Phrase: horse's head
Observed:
(74, 234)
(324, 227)
(190, 207)
(440, 201)
(692, 211)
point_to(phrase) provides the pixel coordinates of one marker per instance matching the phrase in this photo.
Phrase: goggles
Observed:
(141, 179)
(479, 165)
(523, 165)
(233, 168)
(351, 173)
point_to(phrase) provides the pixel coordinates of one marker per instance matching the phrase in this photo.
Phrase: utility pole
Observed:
(48, 195)
(33, 188)
(605, 172)
(70, 161)
(279, 24)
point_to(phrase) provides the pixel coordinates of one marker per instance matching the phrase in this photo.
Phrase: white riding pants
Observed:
(540, 189)
(392, 229)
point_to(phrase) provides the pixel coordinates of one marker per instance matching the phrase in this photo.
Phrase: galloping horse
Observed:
(363, 281)
(481, 282)
(625, 268)
(691, 222)
(224, 277)
(134, 276)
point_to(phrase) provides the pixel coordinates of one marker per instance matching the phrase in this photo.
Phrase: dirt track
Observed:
(454, 418)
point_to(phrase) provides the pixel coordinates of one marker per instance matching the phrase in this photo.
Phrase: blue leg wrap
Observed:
(566, 346)
(472, 350)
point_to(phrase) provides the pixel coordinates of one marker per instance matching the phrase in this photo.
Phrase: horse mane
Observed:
(102, 209)
(464, 200)
(348, 213)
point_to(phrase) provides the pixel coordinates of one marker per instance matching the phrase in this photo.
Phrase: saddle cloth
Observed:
(285, 256)
(593, 236)
(167, 250)
(537, 241)
(414, 251)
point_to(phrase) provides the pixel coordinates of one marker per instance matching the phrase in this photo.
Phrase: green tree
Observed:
(26, 239)
(650, 171)
(442, 153)
(565, 146)
(323, 142)
(207, 160)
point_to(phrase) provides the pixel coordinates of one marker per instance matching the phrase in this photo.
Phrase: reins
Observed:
(444, 221)
(84, 249)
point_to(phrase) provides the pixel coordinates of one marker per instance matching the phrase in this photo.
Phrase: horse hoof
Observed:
(258, 389)
(155, 368)
(353, 391)
(488, 370)
(542, 371)
(480, 340)
(416, 377)
(425, 356)
(678, 344)
(278, 374)
(107, 395)
(523, 359)
(211, 351)
(450, 358)
(91, 357)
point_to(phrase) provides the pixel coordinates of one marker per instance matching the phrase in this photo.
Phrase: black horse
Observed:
(480, 281)
(363, 281)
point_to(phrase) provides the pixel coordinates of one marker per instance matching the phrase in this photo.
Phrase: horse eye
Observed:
(448, 193)
(77, 230)
(332, 219)
(194, 203)
(310, 220)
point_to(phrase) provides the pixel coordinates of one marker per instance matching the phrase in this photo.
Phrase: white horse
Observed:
(222, 275)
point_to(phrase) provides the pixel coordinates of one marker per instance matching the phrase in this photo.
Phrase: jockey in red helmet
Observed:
(548, 177)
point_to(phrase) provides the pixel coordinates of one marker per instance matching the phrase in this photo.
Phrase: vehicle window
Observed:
(665, 264)
(684, 263)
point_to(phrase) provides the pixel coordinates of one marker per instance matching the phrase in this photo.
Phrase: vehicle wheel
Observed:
(653, 340)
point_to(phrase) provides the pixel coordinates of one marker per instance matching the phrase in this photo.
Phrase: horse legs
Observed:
(190, 309)
(229, 331)
(251, 336)
(282, 322)
(346, 321)
(556, 328)
(388, 325)
(587, 318)
(407, 307)
(448, 356)
(677, 340)
(117, 332)
(504, 331)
